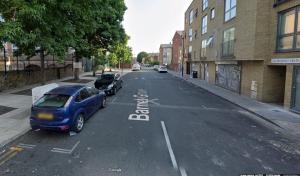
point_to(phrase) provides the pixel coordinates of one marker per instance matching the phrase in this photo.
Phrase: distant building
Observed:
(176, 51)
(153, 57)
(165, 54)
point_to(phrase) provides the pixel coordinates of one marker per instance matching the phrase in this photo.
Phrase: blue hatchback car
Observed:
(66, 108)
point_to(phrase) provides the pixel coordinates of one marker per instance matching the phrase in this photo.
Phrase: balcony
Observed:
(278, 2)
(228, 48)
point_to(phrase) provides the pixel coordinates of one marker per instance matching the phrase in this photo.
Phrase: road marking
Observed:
(13, 151)
(153, 101)
(182, 171)
(65, 151)
(114, 99)
(27, 146)
(142, 108)
(173, 159)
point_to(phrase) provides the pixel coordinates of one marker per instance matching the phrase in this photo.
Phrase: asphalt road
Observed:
(188, 132)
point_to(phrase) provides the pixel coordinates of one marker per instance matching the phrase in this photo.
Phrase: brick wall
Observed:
(177, 44)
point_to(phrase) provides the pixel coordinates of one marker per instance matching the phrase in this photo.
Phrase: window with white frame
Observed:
(288, 37)
(191, 16)
(230, 9)
(204, 24)
(191, 34)
(204, 4)
(203, 48)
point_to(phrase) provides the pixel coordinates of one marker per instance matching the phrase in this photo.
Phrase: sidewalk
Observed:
(285, 120)
(15, 107)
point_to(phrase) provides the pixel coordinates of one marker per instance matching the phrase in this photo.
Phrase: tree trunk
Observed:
(76, 70)
(42, 55)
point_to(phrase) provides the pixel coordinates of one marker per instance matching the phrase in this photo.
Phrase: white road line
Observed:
(173, 159)
(182, 171)
(28, 146)
(65, 151)
(113, 100)
(74, 147)
(58, 151)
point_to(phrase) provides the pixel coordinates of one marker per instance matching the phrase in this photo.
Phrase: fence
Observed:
(14, 79)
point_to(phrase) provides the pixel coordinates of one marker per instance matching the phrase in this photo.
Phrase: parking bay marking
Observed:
(27, 146)
(65, 151)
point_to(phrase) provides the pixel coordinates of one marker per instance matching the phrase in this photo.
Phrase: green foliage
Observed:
(141, 56)
(155, 63)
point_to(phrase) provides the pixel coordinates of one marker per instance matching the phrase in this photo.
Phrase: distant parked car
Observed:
(109, 82)
(162, 69)
(156, 67)
(66, 108)
(136, 67)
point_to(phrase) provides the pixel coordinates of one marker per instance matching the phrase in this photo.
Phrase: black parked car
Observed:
(109, 82)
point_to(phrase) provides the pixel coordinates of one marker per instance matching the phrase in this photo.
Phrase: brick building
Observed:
(153, 57)
(165, 54)
(249, 47)
(176, 51)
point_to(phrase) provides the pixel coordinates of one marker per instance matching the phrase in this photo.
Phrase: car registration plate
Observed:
(45, 116)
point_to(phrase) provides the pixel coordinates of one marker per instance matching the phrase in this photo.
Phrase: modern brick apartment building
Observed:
(165, 54)
(176, 51)
(251, 47)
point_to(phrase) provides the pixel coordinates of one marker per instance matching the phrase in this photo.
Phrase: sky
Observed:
(150, 23)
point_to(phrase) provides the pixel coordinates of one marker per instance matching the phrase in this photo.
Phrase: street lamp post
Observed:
(183, 52)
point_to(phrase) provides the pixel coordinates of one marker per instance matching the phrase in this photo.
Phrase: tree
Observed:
(123, 53)
(34, 27)
(141, 56)
(98, 26)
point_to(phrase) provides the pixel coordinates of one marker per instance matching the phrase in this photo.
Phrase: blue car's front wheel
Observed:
(79, 123)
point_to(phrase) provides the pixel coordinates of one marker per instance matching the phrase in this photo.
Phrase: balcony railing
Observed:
(278, 2)
(228, 48)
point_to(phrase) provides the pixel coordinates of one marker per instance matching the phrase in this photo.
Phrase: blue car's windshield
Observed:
(53, 101)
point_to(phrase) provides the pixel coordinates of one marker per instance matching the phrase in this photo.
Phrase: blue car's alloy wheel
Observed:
(79, 123)
(103, 103)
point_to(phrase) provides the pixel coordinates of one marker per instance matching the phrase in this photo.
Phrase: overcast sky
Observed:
(150, 23)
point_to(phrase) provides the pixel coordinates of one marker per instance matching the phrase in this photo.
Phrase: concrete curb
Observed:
(8, 141)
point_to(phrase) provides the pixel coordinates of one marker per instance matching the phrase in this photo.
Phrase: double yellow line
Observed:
(13, 151)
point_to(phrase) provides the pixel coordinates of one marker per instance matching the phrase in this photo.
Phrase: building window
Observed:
(228, 42)
(203, 48)
(191, 34)
(204, 24)
(210, 42)
(289, 30)
(230, 9)
(204, 4)
(190, 52)
(191, 16)
(212, 13)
